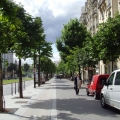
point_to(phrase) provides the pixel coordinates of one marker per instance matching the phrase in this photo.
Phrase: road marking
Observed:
(53, 110)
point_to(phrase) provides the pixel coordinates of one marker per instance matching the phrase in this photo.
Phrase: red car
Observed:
(95, 86)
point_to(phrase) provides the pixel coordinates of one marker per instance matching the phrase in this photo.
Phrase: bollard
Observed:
(3, 99)
(24, 85)
(15, 87)
(18, 87)
(11, 88)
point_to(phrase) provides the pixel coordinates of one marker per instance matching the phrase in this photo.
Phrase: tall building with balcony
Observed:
(96, 12)
(90, 16)
(108, 8)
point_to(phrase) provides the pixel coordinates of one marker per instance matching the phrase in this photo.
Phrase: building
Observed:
(9, 57)
(94, 13)
(108, 8)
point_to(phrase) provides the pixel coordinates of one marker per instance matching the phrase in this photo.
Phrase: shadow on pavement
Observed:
(76, 106)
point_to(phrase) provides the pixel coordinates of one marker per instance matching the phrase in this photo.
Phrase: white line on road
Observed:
(53, 110)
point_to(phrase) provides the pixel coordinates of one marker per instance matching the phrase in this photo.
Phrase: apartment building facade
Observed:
(96, 12)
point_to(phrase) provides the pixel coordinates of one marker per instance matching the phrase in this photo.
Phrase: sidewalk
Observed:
(16, 106)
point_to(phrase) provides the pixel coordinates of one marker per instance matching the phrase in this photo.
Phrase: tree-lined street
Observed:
(57, 100)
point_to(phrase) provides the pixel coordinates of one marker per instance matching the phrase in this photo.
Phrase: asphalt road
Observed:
(80, 107)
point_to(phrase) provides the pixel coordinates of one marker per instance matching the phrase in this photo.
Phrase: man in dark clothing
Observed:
(76, 85)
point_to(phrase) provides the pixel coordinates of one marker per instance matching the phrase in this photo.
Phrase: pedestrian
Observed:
(76, 84)
(79, 82)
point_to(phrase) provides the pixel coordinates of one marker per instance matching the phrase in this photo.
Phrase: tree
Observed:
(61, 68)
(70, 44)
(8, 8)
(47, 66)
(8, 20)
(107, 40)
(26, 68)
(12, 67)
(73, 35)
(43, 48)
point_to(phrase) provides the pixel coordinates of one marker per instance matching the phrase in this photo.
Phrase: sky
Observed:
(54, 14)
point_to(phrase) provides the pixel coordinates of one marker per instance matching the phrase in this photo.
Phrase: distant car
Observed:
(110, 94)
(57, 76)
(95, 86)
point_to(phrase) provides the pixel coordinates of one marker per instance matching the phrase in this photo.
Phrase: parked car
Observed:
(110, 94)
(95, 86)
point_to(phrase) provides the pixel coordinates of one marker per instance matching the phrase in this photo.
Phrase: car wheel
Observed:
(103, 103)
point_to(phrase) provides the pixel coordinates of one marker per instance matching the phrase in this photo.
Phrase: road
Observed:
(57, 101)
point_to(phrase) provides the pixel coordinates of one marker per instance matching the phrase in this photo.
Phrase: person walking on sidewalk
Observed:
(76, 84)
(79, 82)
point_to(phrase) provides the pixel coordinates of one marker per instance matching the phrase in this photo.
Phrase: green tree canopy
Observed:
(73, 35)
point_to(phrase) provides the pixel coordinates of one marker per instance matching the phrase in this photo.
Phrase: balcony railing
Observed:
(94, 12)
(93, 1)
(100, 2)
(93, 28)
(84, 21)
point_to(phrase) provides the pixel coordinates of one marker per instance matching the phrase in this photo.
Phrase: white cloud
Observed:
(54, 13)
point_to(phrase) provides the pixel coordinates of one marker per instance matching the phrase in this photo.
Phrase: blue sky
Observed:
(54, 13)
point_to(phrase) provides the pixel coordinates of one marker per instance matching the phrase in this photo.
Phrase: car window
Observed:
(110, 79)
(102, 80)
(117, 79)
(92, 81)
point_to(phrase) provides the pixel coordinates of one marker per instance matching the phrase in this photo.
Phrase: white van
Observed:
(110, 94)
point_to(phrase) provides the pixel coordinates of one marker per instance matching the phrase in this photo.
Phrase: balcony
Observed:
(84, 21)
(94, 12)
(90, 28)
(93, 1)
(93, 28)
(97, 25)
(100, 2)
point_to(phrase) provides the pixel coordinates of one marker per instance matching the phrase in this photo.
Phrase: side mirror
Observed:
(104, 82)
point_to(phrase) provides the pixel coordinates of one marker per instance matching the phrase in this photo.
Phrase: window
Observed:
(117, 79)
(108, 1)
(110, 79)
(102, 80)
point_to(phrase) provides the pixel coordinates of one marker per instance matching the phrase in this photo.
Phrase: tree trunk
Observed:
(83, 75)
(88, 75)
(112, 63)
(46, 76)
(39, 81)
(1, 85)
(20, 80)
(34, 70)
(79, 71)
